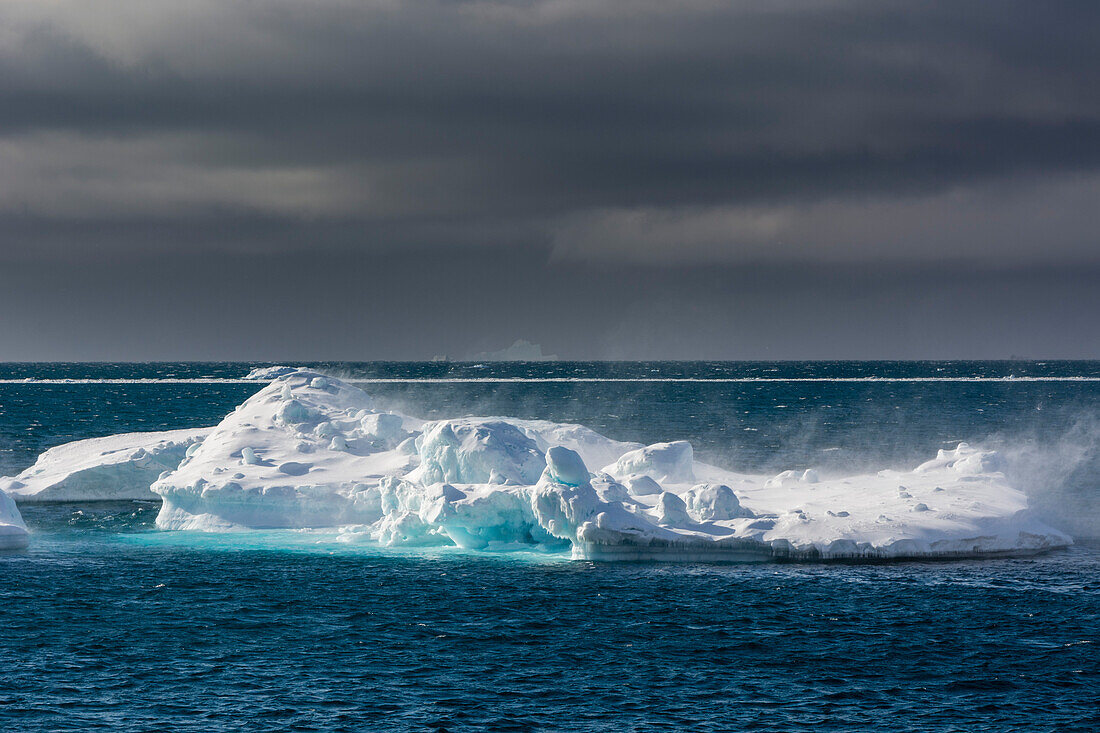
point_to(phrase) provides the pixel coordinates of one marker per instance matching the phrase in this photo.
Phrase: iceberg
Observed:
(312, 451)
(520, 350)
(116, 467)
(13, 533)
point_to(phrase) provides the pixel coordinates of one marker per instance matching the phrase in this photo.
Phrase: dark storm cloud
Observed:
(694, 134)
(542, 108)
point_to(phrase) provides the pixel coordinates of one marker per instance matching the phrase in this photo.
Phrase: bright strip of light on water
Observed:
(540, 380)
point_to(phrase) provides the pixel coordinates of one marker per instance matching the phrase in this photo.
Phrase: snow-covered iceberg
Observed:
(114, 467)
(310, 451)
(13, 533)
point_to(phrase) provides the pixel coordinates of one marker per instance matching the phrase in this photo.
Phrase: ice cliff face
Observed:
(310, 451)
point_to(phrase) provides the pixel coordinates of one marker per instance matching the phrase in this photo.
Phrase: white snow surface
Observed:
(310, 451)
(112, 468)
(13, 533)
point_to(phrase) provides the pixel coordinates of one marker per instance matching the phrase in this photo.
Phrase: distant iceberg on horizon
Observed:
(310, 451)
(520, 350)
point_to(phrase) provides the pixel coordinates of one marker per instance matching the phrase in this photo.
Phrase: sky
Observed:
(627, 179)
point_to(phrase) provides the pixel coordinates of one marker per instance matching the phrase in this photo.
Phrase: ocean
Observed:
(109, 624)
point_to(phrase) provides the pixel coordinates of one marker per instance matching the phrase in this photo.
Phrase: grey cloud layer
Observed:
(481, 112)
(523, 143)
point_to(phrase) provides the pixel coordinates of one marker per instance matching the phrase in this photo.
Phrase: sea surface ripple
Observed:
(107, 628)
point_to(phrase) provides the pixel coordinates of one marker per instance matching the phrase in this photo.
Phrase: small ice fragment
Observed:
(781, 479)
(565, 466)
(714, 502)
(294, 412)
(609, 489)
(293, 468)
(642, 486)
(671, 509)
(667, 462)
(382, 426)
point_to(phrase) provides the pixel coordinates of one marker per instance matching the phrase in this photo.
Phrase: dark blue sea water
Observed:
(107, 624)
